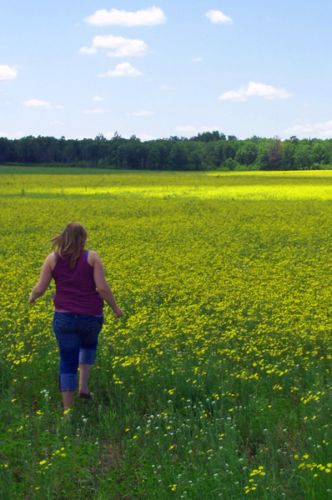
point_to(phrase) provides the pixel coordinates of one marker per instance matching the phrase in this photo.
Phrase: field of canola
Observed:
(216, 383)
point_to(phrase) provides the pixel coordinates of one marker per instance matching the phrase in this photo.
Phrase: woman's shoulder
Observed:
(92, 257)
(51, 260)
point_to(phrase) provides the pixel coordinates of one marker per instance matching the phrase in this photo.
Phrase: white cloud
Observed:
(218, 17)
(321, 130)
(197, 59)
(7, 72)
(88, 50)
(146, 17)
(118, 46)
(254, 89)
(142, 113)
(190, 130)
(234, 95)
(267, 91)
(93, 111)
(97, 98)
(122, 69)
(37, 103)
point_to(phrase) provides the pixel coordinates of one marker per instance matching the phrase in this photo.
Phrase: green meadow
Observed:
(216, 382)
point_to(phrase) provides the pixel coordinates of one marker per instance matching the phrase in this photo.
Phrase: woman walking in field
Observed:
(81, 289)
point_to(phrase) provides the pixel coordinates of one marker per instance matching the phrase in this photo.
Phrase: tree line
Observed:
(205, 151)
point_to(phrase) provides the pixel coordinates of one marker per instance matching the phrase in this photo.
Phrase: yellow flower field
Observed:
(216, 383)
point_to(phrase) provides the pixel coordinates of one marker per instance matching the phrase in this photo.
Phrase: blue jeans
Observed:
(77, 337)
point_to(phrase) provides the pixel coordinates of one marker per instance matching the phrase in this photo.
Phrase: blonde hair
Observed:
(70, 242)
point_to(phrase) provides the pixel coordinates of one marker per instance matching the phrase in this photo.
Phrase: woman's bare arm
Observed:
(101, 284)
(44, 279)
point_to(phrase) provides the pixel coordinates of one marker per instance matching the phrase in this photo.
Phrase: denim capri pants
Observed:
(77, 337)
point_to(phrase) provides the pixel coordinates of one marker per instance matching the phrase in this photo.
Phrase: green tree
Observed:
(247, 153)
(271, 155)
(303, 157)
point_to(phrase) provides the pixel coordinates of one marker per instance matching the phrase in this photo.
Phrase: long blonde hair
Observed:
(70, 242)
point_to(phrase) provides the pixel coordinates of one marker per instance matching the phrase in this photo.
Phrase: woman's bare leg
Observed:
(84, 378)
(67, 399)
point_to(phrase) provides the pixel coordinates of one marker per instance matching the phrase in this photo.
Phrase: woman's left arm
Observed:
(44, 280)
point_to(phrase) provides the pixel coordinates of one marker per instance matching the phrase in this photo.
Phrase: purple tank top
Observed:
(75, 288)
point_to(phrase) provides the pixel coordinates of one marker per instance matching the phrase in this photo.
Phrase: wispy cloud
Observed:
(146, 17)
(122, 69)
(197, 59)
(321, 130)
(255, 89)
(97, 98)
(88, 50)
(141, 113)
(117, 46)
(7, 72)
(39, 103)
(93, 111)
(218, 17)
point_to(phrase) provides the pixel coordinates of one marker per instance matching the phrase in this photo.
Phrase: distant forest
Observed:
(206, 151)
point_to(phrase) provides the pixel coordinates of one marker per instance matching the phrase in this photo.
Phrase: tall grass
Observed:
(216, 383)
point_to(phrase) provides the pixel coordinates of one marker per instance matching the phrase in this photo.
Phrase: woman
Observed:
(81, 289)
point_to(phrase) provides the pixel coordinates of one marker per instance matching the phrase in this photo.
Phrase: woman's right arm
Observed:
(102, 287)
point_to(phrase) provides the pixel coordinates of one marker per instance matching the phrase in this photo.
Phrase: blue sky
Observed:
(155, 69)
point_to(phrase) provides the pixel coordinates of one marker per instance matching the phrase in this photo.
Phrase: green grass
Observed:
(216, 383)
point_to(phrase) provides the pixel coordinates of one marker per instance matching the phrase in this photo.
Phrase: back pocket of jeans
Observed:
(62, 324)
